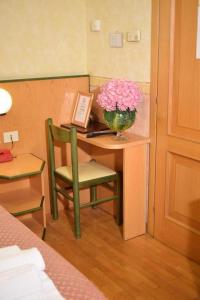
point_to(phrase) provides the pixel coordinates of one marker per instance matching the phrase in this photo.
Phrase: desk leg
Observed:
(134, 191)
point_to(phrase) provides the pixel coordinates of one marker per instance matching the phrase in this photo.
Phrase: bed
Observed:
(68, 280)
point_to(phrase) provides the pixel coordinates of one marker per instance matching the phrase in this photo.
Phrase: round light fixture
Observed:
(5, 101)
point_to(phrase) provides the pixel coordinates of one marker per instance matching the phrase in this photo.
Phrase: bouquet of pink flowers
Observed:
(118, 94)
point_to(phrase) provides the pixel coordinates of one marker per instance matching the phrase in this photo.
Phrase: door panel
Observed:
(177, 190)
(184, 91)
(182, 203)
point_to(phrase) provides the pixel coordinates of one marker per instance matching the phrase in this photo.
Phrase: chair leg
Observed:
(54, 204)
(77, 226)
(93, 195)
(119, 212)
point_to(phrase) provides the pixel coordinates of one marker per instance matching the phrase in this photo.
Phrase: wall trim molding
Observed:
(43, 78)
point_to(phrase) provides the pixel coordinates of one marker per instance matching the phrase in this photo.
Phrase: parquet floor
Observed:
(141, 268)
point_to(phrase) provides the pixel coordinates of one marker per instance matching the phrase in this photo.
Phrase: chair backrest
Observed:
(60, 134)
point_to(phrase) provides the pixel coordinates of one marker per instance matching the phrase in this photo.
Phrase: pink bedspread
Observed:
(69, 281)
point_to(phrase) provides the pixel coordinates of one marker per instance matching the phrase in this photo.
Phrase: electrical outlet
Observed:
(134, 36)
(10, 136)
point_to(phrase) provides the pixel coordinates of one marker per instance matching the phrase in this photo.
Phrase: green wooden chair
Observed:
(78, 176)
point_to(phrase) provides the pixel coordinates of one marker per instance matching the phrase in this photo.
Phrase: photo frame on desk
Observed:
(82, 109)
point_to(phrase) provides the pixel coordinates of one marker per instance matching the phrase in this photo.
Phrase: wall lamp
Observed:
(5, 102)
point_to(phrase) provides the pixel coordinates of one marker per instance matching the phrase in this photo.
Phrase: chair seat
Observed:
(87, 171)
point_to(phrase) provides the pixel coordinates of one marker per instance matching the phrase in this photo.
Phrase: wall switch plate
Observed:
(96, 25)
(10, 136)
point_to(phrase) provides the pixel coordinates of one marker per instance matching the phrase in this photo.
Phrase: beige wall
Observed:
(52, 37)
(42, 38)
(49, 38)
(133, 60)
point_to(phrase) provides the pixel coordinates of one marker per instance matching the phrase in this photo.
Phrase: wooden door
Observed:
(177, 191)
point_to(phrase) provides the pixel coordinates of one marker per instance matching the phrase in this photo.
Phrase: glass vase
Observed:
(119, 121)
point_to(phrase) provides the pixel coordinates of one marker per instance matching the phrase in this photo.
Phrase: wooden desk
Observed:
(27, 198)
(131, 158)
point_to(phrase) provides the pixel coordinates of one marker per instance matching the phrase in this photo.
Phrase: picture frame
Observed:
(82, 109)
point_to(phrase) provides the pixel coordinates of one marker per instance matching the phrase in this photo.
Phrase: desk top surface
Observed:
(109, 141)
(21, 166)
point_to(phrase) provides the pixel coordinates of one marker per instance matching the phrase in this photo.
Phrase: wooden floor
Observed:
(141, 268)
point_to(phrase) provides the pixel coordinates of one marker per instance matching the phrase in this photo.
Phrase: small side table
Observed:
(28, 197)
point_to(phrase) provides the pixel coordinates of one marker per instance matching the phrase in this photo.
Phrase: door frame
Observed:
(153, 113)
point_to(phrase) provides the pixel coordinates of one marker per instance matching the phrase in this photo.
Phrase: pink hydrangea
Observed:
(119, 94)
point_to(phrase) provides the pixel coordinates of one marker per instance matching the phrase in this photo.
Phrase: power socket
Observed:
(10, 136)
(134, 36)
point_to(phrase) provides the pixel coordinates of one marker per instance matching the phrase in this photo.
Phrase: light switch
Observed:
(116, 40)
(96, 25)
